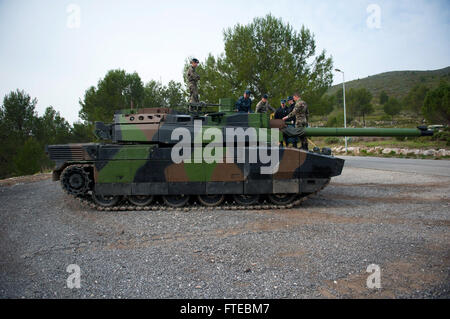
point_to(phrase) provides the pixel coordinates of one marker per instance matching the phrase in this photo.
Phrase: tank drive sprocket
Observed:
(76, 180)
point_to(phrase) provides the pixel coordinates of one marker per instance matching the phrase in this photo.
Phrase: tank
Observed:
(164, 158)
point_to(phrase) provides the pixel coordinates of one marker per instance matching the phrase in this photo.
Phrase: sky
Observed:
(55, 50)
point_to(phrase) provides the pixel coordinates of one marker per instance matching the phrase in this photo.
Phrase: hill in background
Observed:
(396, 83)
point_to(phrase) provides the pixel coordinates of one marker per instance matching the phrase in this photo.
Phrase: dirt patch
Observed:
(25, 179)
(398, 278)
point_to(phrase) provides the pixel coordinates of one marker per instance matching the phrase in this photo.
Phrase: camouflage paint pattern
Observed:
(148, 169)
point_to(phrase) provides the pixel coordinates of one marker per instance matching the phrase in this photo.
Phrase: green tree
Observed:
(17, 123)
(153, 94)
(158, 95)
(266, 56)
(324, 106)
(134, 90)
(8, 148)
(174, 94)
(18, 113)
(351, 99)
(383, 97)
(436, 107)
(415, 98)
(24, 134)
(52, 128)
(82, 132)
(28, 158)
(358, 102)
(392, 107)
(339, 98)
(117, 90)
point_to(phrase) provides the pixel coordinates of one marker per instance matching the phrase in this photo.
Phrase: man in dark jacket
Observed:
(290, 108)
(282, 111)
(291, 103)
(244, 104)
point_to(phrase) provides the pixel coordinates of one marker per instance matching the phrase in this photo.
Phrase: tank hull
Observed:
(143, 170)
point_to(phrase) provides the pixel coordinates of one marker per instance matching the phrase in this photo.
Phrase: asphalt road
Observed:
(388, 212)
(418, 166)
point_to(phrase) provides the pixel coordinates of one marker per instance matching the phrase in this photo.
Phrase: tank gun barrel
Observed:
(391, 132)
(340, 131)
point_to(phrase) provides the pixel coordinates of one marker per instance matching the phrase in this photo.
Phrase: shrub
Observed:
(332, 140)
(442, 136)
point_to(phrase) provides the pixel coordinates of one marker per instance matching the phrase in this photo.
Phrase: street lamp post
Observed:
(345, 113)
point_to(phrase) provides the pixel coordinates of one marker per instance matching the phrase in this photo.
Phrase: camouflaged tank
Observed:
(136, 169)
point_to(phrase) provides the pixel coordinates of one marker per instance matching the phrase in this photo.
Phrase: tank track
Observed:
(87, 201)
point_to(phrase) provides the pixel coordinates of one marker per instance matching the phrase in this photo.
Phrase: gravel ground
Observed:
(397, 220)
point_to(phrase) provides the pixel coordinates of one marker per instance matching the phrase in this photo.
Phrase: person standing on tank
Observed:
(291, 123)
(244, 104)
(301, 114)
(192, 78)
(281, 112)
(291, 103)
(263, 106)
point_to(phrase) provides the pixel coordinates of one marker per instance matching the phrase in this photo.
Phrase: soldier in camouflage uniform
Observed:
(301, 114)
(192, 78)
(263, 106)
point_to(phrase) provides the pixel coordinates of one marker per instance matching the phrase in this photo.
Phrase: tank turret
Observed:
(155, 125)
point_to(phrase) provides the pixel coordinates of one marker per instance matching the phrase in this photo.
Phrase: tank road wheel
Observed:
(211, 200)
(176, 200)
(106, 200)
(246, 200)
(140, 200)
(282, 199)
(75, 180)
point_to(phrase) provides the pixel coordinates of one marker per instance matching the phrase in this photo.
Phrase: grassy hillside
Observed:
(396, 83)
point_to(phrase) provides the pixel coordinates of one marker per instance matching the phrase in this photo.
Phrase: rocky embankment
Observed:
(378, 150)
